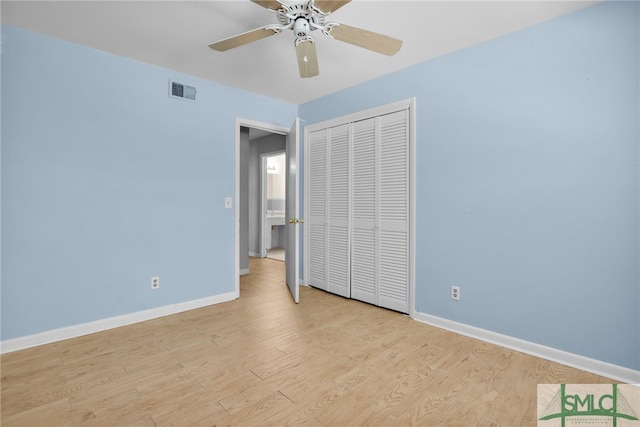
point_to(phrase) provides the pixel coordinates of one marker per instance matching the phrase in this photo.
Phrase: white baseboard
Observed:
(254, 254)
(244, 271)
(74, 331)
(609, 370)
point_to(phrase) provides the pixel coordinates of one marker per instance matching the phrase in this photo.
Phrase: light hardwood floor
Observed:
(263, 360)
(276, 253)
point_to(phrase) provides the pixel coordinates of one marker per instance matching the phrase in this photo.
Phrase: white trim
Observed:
(412, 207)
(609, 370)
(75, 331)
(254, 254)
(263, 204)
(305, 213)
(244, 271)
(362, 115)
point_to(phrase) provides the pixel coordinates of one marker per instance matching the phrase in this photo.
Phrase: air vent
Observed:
(178, 90)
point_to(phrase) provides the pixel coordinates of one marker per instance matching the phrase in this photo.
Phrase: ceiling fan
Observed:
(303, 17)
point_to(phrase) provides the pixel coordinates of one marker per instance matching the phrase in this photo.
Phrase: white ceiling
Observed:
(175, 35)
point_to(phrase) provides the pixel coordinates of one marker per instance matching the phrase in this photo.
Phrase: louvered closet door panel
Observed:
(393, 212)
(338, 264)
(363, 242)
(316, 221)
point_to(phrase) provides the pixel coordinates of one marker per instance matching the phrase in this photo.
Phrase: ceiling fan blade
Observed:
(329, 6)
(241, 39)
(307, 59)
(269, 4)
(366, 39)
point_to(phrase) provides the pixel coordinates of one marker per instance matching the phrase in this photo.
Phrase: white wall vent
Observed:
(179, 90)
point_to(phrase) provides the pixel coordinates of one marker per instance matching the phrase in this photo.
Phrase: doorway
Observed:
(273, 234)
(253, 139)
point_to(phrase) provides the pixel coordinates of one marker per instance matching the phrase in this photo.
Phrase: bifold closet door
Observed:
(328, 221)
(338, 250)
(380, 218)
(364, 236)
(359, 210)
(393, 212)
(317, 211)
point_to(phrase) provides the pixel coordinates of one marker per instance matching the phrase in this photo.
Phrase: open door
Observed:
(291, 253)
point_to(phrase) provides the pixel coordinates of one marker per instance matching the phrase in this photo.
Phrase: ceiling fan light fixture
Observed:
(301, 27)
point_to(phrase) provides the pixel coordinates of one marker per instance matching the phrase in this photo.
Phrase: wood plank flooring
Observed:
(263, 360)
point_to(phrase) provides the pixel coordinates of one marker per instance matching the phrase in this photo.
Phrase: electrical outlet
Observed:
(155, 282)
(455, 293)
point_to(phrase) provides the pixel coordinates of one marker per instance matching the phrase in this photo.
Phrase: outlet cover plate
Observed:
(455, 293)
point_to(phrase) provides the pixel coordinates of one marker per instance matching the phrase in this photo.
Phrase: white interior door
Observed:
(292, 216)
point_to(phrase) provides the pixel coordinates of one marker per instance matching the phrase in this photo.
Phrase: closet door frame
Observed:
(407, 104)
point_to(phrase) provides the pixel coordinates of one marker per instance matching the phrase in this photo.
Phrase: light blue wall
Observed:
(527, 180)
(528, 188)
(106, 182)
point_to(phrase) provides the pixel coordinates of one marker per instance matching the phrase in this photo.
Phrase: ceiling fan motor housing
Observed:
(301, 27)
